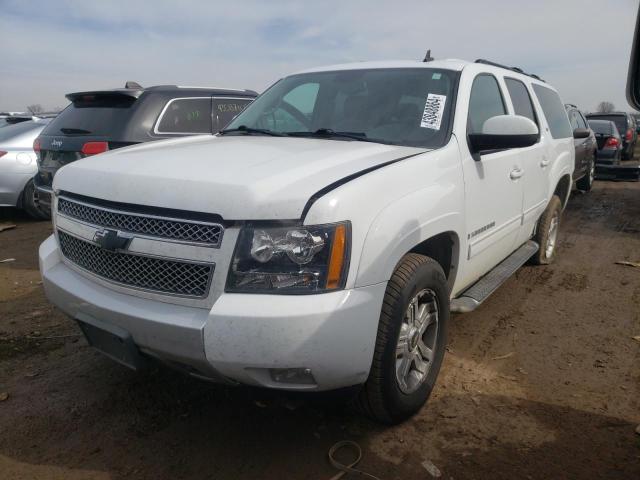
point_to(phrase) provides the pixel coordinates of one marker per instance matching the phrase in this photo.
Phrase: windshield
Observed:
(396, 106)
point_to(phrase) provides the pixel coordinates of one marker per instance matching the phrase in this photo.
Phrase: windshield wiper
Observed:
(329, 133)
(249, 130)
(75, 131)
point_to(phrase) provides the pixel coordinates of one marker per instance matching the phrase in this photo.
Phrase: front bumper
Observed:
(242, 336)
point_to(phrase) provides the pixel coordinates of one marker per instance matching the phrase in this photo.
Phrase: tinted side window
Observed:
(186, 115)
(553, 111)
(582, 123)
(226, 109)
(573, 119)
(485, 102)
(520, 98)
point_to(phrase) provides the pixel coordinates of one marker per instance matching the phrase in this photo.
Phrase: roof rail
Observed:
(513, 69)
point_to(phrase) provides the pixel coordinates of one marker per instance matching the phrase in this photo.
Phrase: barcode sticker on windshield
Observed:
(433, 111)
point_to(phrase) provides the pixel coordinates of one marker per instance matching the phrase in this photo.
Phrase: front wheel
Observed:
(411, 341)
(586, 182)
(547, 232)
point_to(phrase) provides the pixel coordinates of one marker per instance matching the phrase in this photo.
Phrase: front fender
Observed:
(438, 209)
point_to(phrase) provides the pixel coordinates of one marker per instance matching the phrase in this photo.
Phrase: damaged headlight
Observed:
(288, 260)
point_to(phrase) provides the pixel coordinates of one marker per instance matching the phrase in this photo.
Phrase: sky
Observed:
(50, 48)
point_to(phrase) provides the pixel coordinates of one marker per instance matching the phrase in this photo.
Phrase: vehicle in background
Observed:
(99, 121)
(626, 126)
(609, 142)
(11, 118)
(585, 147)
(18, 166)
(320, 240)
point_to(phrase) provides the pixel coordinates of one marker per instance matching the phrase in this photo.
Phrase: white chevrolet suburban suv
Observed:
(321, 240)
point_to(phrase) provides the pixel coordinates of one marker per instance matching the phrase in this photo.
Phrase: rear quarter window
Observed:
(225, 109)
(185, 116)
(554, 112)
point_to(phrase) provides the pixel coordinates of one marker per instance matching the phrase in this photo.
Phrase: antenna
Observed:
(428, 57)
(131, 84)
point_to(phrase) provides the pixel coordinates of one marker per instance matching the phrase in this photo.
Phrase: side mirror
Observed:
(581, 133)
(504, 131)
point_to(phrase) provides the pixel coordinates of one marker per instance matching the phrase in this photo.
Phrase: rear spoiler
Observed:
(120, 92)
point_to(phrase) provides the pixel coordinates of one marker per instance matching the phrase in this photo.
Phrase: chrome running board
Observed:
(477, 293)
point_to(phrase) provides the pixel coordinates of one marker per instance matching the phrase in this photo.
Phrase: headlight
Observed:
(303, 259)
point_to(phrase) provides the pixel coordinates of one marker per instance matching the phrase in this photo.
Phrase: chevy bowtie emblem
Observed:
(112, 240)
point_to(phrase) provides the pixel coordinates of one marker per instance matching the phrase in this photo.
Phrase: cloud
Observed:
(54, 47)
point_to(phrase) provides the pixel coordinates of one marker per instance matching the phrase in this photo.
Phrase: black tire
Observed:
(381, 398)
(30, 202)
(586, 182)
(543, 234)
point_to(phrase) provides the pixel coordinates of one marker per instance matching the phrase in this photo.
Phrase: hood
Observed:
(237, 177)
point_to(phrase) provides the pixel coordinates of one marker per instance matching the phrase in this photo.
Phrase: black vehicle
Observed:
(98, 121)
(609, 142)
(626, 127)
(584, 141)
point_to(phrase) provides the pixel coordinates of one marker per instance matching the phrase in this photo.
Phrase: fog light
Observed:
(292, 375)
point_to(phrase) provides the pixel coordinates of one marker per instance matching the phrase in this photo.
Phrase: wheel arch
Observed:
(563, 189)
(444, 248)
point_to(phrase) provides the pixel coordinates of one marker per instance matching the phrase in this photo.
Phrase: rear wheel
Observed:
(411, 341)
(547, 232)
(30, 202)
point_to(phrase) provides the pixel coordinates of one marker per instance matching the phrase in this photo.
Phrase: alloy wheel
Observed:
(415, 350)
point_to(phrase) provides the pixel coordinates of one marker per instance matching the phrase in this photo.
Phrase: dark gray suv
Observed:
(104, 120)
(586, 148)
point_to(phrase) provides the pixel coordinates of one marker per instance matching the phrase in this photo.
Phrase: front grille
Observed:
(182, 230)
(148, 273)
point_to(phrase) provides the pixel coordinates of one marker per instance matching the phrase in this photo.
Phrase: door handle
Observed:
(544, 162)
(516, 173)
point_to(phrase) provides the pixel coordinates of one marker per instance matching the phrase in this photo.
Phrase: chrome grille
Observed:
(148, 273)
(183, 230)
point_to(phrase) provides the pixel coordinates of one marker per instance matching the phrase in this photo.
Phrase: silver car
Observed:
(18, 165)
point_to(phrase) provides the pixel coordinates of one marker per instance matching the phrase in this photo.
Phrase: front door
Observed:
(493, 187)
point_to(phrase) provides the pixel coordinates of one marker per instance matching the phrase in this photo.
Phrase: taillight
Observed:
(36, 145)
(612, 142)
(629, 135)
(93, 148)
(2, 153)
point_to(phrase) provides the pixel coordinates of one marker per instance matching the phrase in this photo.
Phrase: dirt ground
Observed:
(541, 382)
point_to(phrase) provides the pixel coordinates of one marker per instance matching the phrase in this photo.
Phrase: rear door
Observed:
(533, 159)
